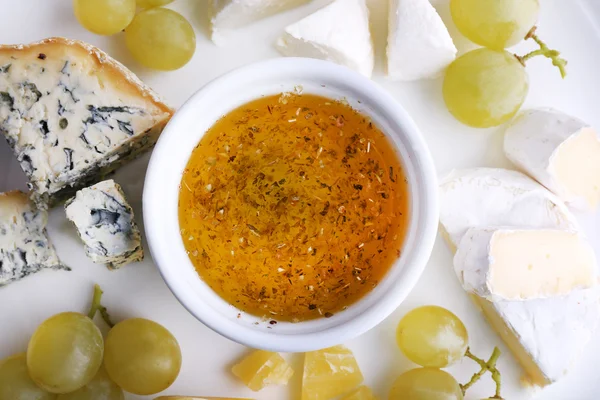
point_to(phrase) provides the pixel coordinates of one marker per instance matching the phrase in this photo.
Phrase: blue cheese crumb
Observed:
(24, 245)
(105, 223)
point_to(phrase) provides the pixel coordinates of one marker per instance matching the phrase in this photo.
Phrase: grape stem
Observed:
(486, 366)
(554, 55)
(98, 307)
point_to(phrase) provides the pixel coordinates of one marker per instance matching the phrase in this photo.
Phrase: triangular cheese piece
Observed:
(419, 45)
(72, 114)
(548, 335)
(338, 32)
(228, 15)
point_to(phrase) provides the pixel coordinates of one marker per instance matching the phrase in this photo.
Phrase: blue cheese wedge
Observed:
(106, 225)
(24, 245)
(72, 114)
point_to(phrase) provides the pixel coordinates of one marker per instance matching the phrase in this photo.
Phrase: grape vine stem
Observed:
(489, 365)
(545, 51)
(98, 307)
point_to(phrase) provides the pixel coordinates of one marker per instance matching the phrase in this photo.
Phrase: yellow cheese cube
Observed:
(361, 393)
(261, 368)
(329, 373)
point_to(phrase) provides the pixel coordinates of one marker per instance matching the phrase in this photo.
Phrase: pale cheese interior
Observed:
(576, 166)
(527, 264)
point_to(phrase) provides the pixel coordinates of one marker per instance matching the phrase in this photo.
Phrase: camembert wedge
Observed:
(419, 45)
(72, 114)
(338, 32)
(228, 15)
(559, 151)
(546, 335)
(523, 264)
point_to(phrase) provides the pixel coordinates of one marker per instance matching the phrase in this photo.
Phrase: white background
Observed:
(138, 290)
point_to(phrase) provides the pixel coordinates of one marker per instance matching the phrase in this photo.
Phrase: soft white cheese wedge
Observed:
(338, 32)
(522, 264)
(228, 15)
(548, 335)
(483, 197)
(419, 45)
(560, 152)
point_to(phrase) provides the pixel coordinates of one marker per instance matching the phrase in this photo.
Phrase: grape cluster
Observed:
(486, 87)
(435, 338)
(158, 38)
(67, 359)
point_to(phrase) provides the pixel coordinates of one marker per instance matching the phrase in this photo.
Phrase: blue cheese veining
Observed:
(24, 244)
(106, 225)
(71, 114)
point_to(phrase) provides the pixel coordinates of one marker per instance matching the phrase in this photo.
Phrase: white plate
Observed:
(138, 290)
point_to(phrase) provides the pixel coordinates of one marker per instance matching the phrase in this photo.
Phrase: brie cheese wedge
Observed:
(560, 152)
(484, 197)
(338, 32)
(521, 264)
(546, 335)
(228, 15)
(419, 45)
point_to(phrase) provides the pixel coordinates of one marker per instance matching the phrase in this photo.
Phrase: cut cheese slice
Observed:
(560, 152)
(72, 114)
(548, 335)
(522, 264)
(338, 32)
(419, 45)
(483, 197)
(228, 15)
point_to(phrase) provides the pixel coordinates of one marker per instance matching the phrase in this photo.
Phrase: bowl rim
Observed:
(368, 318)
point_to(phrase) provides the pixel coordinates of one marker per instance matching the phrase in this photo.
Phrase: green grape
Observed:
(65, 352)
(99, 388)
(142, 356)
(161, 39)
(484, 87)
(432, 336)
(104, 17)
(496, 24)
(153, 3)
(425, 384)
(15, 383)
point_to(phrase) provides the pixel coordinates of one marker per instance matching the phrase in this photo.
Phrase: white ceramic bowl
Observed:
(184, 131)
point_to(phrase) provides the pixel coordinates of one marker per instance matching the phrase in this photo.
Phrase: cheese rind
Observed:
(105, 223)
(419, 45)
(24, 245)
(533, 329)
(228, 15)
(72, 114)
(484, 197)
(522, 264)
(559, 151)
(338, 32)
